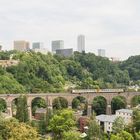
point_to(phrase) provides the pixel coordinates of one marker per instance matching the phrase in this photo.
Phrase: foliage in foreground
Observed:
(61, 122)
(13, 130)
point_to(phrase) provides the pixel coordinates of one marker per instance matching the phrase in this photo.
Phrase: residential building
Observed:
(106, 121)
(101, 52)
(57, 45)
(21, 45)
(81, 43)
(126, 114)
(65, 52)
(37, 45)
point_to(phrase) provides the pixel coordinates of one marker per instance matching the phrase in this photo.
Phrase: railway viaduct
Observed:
(49, 98)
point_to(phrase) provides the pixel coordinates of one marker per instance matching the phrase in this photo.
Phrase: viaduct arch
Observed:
(49, 97)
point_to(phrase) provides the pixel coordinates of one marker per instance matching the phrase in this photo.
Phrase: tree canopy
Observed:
(51, 73)
(62, 121)
(13, 130)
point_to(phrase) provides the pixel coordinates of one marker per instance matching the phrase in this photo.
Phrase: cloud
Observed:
(109, 24)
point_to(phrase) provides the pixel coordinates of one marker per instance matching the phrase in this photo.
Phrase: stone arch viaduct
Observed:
(49, 97)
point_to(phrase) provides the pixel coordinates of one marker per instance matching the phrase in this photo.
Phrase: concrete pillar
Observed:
(89, 109)
(30, 112)
(50, 104)
(108, 109)
(9, 110)
(50, 107)
(70, 105)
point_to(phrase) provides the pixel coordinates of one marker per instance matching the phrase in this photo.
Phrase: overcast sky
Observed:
(113, 25)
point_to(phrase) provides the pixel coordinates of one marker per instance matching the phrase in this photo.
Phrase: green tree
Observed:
(118, 103)
(88, 83)
(80, 103)
(22, 109)
(71, 135)
(99, 105)
(132, 65)
(61, 122)
(13, 130)
(9, 85)
(135, 101)
(137, 136)
(136, 120)
(94, 132)
(60, 103)
(3, 105)
(123, 135)
(118, 125)
(38, 103)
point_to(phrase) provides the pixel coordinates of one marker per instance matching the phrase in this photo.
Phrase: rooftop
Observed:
(125, 111)
(106, 118)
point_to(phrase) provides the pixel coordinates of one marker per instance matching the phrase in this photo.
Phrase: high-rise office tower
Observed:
(21, 45)
(57, 44)
(81, 43)
(101, 52)
(37, 45)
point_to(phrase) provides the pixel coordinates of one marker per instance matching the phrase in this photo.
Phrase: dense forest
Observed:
(38, 73)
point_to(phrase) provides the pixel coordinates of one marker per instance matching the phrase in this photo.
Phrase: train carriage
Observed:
(97, 91)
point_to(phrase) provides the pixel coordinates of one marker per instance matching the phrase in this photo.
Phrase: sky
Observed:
(113, 25)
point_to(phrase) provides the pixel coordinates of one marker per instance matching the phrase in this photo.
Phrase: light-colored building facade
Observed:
(106, 121)
(126, 114)
(21, 45)
(43, 50)
(65, 52)
(57, 45)
(81, 43)
(37, 45)
(101, 52)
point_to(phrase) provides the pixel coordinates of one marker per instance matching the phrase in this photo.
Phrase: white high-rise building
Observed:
(81, 43)
(101, 52)
(57, 45)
